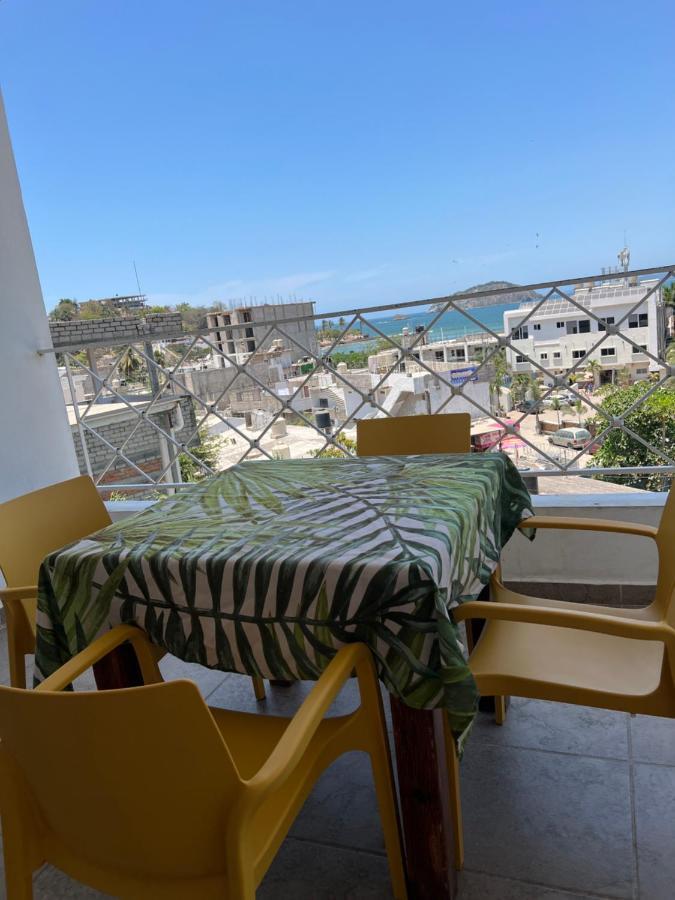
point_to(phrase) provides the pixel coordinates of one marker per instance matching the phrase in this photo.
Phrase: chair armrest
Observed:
(582, 620)
(10, 595)
(578, 524)
(100, 648)
(290, 750)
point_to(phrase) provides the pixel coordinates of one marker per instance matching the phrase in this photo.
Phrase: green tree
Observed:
(623, 377)
(355, 359)
(669, 295)
(129, 365)
(579, 408)
(206, 451)
(347, 444)
(499, 372)
(555, 405)
(65, 310)
(653, 421)
(519, 387)
(98, 309)
(594, 369)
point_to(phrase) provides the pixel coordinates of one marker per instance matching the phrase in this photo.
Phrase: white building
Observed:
(559, 334)
(243, 330)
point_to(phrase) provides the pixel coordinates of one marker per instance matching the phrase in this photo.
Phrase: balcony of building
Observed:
(560, 801)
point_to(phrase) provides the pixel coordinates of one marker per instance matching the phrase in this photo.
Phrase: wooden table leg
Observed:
(119, 669)
(425, 802)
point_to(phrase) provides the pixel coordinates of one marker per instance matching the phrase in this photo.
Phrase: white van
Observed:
(575, 438)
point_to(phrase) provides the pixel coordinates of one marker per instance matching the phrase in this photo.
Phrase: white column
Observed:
(36, 447)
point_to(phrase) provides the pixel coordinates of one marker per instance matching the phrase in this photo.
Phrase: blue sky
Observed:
(353, 153)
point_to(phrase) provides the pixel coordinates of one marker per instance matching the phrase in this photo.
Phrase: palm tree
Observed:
(579, 407)
(623, 377)
(129, 364)
(535, 392)
(555, 404)
(594, 368)
(500, 370)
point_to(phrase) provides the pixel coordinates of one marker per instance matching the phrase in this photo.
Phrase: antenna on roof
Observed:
(138, 283)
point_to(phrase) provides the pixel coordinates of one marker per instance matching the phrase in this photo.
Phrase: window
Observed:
(582, 326)
(536, 327)
(578, 354)
(439, 355)
(520, 334)
(250, 346)
(642, 371)
(248, 332)
(460, 354)
(605, 320)
(559, 324)
(641, 349)
(543, 356)
(520, 359)
(557, 355)
(608, 351)
(638, 320)
(246, 316)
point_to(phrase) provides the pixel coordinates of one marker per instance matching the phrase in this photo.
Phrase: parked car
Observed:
(574, 438)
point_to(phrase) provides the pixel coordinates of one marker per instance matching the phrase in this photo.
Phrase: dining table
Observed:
(269, 567)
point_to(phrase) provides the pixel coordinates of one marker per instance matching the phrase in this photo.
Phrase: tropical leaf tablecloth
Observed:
(270, 567)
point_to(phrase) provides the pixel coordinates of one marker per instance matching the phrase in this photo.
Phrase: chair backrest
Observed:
(35, 524)
(137, 782)
(665, 539)
(399, 435)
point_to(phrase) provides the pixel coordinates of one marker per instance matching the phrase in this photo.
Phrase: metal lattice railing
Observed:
(144, 413)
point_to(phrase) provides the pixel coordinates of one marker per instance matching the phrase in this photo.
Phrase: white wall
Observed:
(583, 557)
(36, 447)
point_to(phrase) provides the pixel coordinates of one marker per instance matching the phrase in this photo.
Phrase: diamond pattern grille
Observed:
(140, 412)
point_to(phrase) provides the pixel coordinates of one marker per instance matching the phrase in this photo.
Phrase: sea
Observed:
(451, 324)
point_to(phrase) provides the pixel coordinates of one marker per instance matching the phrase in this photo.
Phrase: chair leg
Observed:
(258, 687)
(384, 789)
(18, 873)
(455, 796)
(500, 710)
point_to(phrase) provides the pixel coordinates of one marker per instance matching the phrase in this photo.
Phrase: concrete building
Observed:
(117, 425)
(243, 330)
(558, 334)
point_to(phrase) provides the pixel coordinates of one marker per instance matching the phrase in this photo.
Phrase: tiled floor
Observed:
(559, 803)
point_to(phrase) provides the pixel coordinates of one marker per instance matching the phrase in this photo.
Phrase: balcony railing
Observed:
(141, 409)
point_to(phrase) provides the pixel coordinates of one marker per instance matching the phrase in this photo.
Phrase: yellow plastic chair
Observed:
(657, 611)
(148, 793)
(31, 527)
(604, 657)
(398, 436)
